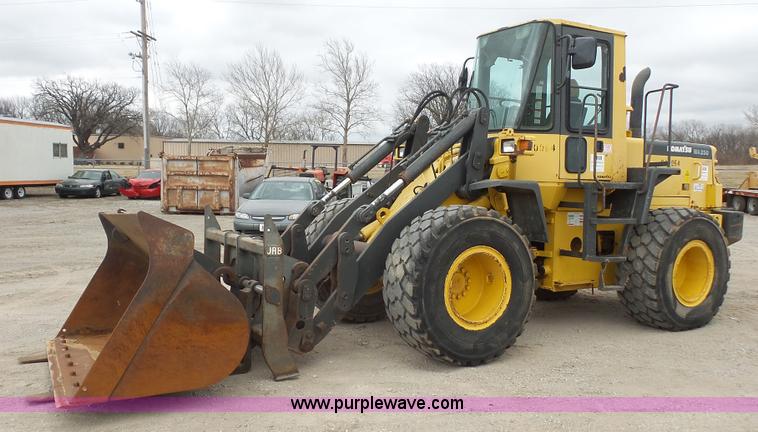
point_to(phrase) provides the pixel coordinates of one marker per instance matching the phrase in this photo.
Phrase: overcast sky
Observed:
(710, 51)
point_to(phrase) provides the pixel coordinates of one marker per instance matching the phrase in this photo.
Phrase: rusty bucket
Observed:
(151, 321)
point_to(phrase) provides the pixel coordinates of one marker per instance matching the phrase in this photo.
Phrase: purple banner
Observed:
(252, 404)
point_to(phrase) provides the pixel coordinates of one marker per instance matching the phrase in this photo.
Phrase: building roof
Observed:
(33, 123)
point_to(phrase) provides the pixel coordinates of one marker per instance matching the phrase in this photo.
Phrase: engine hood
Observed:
(272, 207)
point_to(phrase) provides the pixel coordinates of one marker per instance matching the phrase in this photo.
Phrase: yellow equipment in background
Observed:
(745, 197)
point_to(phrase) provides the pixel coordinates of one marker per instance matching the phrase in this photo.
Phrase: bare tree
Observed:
(198, 99)
(428, 77)
(265, 90)
(97, 112)
(349, 92)
(694, 131)
(244, 122)
(311, 125)
(17, 107)
(752, 115)
(220, 126)
(163, 124)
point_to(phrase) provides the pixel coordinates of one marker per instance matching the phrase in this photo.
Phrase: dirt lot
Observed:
(49, 249)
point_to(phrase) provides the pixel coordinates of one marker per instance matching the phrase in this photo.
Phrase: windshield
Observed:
(283, 190)
(89, 175)
(149, 175)
(514, 69)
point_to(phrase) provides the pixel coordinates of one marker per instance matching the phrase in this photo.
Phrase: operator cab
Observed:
(534, 71)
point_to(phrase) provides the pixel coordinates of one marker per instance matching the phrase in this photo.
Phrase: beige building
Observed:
(128, 149)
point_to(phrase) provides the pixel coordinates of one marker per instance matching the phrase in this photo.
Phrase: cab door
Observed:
(586, 98)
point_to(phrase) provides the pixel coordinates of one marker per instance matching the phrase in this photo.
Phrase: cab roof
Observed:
(566, 23)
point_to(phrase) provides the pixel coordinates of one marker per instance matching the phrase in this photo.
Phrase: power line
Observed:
(39, 2)
(63, 38)
(488, 8)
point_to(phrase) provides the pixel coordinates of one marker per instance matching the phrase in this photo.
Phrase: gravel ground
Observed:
(586, 346)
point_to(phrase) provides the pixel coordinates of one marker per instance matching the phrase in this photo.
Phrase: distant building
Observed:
(129, 147)
(126, 149)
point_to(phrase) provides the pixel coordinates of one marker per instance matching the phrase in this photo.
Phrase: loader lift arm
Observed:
(340, 254)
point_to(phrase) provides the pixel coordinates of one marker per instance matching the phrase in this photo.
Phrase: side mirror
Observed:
(576, 155)
(583, 52)
(246, 195)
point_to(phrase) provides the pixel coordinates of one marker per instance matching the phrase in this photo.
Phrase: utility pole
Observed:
(145, 38)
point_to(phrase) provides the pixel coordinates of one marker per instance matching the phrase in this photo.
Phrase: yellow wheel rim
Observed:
(477, 288)
(693, 273)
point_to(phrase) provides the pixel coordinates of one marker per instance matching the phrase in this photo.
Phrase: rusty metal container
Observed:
(189, 183)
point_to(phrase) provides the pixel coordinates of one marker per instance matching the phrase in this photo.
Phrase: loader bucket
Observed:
(151, 321)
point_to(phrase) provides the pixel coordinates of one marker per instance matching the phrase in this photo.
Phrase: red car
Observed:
(146, 185)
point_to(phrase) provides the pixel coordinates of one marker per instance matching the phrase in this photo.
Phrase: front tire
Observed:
(19, 192)
(98, 192)
(677, 270)
(459, 284)
(6, 193)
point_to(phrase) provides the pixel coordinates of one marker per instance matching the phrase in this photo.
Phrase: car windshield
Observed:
(513, 68)
(283, 190)
(149, 175)
(88, 175)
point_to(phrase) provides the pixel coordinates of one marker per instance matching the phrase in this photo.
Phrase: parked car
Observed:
(90, 182)
(281, 197)
(146, 185)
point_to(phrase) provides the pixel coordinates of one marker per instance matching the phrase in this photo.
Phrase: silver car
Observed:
(284, 198)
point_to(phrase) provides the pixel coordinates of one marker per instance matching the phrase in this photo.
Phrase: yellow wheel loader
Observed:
(533, 186)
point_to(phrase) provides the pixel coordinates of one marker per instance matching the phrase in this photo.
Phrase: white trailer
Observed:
(33, 153)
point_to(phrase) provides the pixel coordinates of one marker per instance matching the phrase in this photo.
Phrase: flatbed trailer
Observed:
(744, 200)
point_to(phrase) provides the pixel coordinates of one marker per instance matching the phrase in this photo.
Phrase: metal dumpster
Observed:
(189, 183)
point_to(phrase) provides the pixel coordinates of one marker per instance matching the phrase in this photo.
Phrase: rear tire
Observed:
(738, 203)
(370, 307)
(19, 192)
(752, 206)
(6, 193)
(677, 270)
(543, 294)
(430, 309)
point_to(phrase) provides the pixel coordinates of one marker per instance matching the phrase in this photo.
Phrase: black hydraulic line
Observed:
(426, 157)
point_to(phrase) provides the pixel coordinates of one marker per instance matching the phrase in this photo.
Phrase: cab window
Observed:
(585, 86)
(539, 99)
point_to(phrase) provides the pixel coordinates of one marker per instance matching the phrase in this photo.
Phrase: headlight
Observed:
(293, 216)
(508, 146)
(240, 215)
